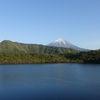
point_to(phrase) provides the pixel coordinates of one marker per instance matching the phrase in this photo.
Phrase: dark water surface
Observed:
(50, 82)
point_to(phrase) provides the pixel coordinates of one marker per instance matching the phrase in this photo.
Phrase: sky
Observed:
(43, 21)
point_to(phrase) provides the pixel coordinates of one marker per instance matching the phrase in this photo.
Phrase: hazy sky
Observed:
(42, 21)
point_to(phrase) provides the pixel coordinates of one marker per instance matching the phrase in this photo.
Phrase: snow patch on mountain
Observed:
(61, 41)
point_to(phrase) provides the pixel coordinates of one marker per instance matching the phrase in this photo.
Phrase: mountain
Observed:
(63, 43)
(9, 46)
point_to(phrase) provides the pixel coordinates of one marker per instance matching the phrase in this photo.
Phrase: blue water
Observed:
(50, 82)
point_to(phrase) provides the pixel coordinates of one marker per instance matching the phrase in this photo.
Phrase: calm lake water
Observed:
(50, 82)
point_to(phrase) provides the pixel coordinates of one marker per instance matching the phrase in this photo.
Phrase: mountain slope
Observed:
(9, 46)
(63, 43)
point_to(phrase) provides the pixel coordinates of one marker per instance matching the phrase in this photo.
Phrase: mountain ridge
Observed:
(10, 46)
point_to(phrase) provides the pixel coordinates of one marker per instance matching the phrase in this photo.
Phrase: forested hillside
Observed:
(9, 46)
(14, 52)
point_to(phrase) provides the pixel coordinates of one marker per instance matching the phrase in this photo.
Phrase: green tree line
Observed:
(22, 57)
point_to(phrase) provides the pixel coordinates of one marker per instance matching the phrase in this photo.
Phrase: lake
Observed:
(62, 81)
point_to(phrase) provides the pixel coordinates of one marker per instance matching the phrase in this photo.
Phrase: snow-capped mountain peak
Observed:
(60, 41)
(63, 43)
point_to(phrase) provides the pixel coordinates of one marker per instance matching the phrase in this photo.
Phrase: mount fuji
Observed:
(63, 43)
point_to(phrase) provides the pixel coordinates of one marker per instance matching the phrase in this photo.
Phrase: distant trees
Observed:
(22, 57)
(92, 56)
